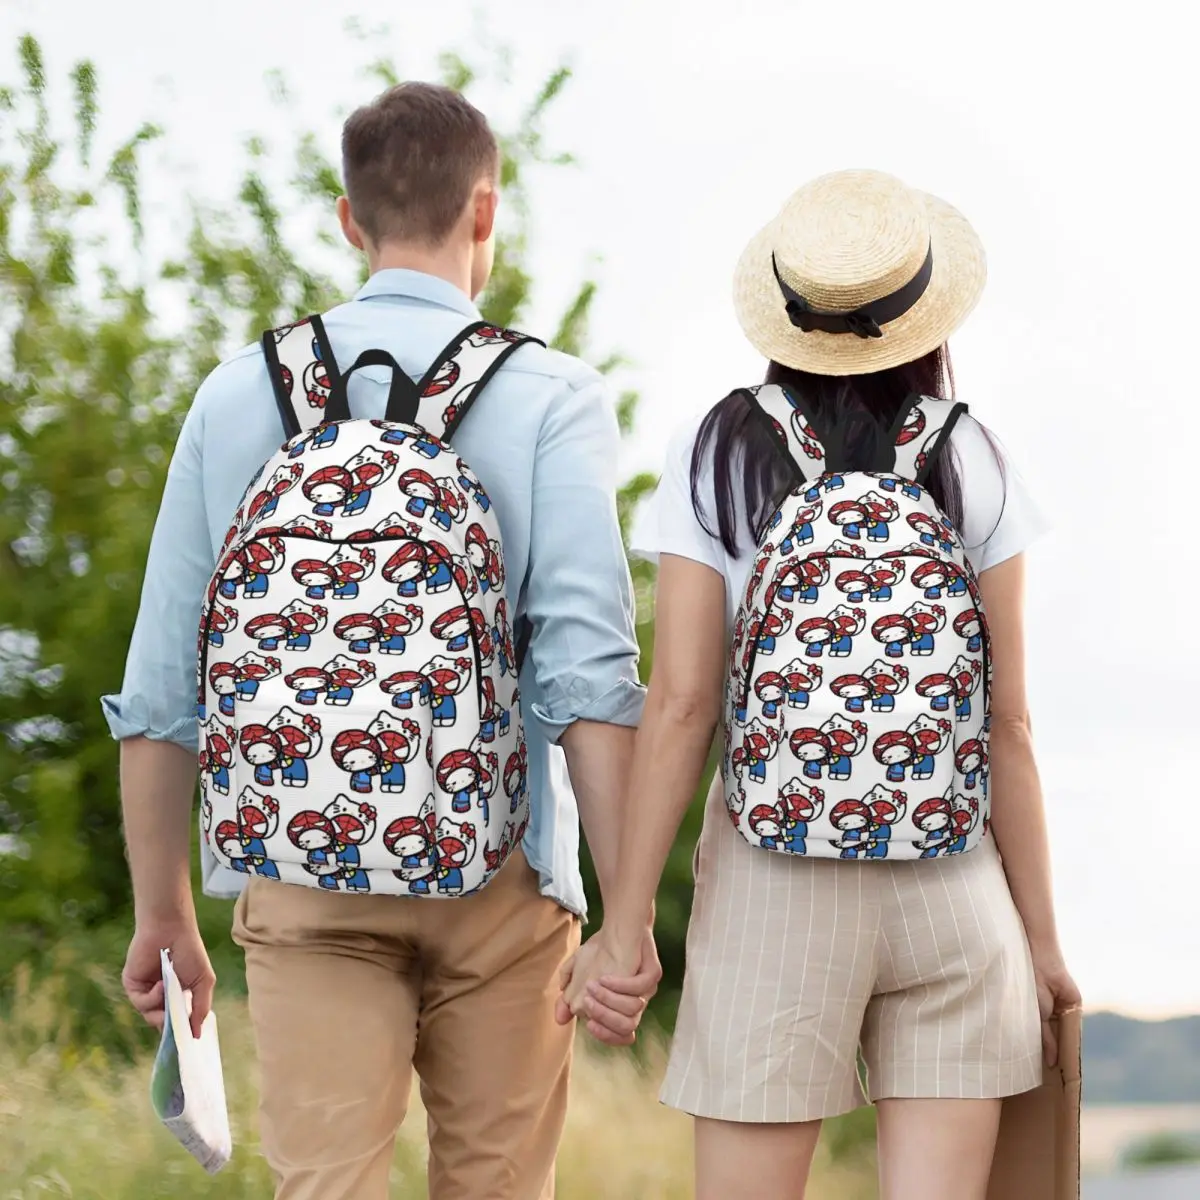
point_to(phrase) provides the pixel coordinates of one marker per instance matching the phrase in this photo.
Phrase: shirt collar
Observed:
(416, 285)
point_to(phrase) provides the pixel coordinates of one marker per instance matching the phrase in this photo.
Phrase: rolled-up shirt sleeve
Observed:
(158, 694)
(579, 596)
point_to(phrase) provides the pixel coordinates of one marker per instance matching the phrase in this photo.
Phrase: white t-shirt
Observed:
(1000, 518)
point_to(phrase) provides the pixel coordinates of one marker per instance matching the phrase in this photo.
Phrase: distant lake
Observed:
(1107, 1130)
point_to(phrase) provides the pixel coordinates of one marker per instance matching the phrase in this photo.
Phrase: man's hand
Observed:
(609, 988)
(142, 977)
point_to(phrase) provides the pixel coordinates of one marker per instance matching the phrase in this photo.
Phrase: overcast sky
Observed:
(1064, 134)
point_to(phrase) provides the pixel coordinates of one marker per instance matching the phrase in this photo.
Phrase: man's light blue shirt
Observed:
(544, 442)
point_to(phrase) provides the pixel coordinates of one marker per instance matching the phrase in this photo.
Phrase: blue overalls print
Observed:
(269, 506)
(392, 780)
(880, 593)
(841, 645)
(962, 710)
(766, 643)
(256, 857)
(360, 646)
(255, 586)
(975, 643)
(769, 842)
(407, 589)
(220, 778)
(217, 638)
(853, 835)
(970, 779)
(228, 589)
(476, 490)
(795, 843)
(796, 699)
(339, 693)
(314, 591)
(922, 644)
(518, 795)
(770, 709)
(360, 781)
(894, 649)
(895, 772)
(839, 766)
(322, 858)
(324, 508)
(958, 586)
(758, 768)
(880, 837)
(449, 879)
(352, 872)
(308, 695)
(855, 704)
(345, 591)
(264, 775)
(423, 444)
(439, 580)
(357, 502)
(812, 768)
(445, 711)
(922, 766)
(455, 644)
(321, 439)
(883, 702)
(225, 706)
(416, 887)
(295, 772)
(405, 699)
(247, 689)
(739, 714)
(877, 531)
(940, 840)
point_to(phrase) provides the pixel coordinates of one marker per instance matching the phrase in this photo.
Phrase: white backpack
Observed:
(357, 672)
(856, 721)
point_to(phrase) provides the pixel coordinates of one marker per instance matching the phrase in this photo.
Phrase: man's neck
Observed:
(451, 263)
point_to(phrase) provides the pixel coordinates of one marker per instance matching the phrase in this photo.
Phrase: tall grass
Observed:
(77, 1123)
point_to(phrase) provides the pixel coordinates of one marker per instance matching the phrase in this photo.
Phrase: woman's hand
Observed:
(609, 985)
(1056, 993)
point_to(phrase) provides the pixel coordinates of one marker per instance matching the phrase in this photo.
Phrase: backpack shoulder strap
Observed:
(458, 375)
(308, 386)
(922, 429)
(792, 427)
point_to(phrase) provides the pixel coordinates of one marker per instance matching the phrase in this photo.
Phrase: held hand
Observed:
(142, 976)
(610, 988)
(1056, 993)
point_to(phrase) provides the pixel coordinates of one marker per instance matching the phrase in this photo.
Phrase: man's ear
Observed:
(350, 229)
(486, 200)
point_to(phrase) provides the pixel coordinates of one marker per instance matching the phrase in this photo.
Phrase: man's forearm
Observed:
(598, 759)
(158, 781)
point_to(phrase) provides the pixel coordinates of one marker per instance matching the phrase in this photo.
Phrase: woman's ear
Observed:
(350, 229)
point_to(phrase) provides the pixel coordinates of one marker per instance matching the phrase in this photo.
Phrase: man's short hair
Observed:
(410, 160)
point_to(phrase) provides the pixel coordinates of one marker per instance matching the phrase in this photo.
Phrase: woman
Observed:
(892, 934)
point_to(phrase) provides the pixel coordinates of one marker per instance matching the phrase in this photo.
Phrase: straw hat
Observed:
(857, 273)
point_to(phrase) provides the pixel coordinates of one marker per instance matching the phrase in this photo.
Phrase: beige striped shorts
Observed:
(796, 966)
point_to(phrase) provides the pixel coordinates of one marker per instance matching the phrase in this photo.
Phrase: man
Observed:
(349, 993)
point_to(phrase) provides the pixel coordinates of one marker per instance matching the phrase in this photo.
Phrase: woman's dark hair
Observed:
(747, 464)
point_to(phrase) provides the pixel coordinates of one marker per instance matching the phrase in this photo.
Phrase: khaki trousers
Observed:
(350, 993)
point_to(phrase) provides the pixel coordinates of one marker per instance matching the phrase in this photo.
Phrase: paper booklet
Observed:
(186, 1087)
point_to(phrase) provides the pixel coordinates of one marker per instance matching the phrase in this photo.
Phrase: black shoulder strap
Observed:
(922, 429)
(442, 399)
(791, 424)
(309, 389)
